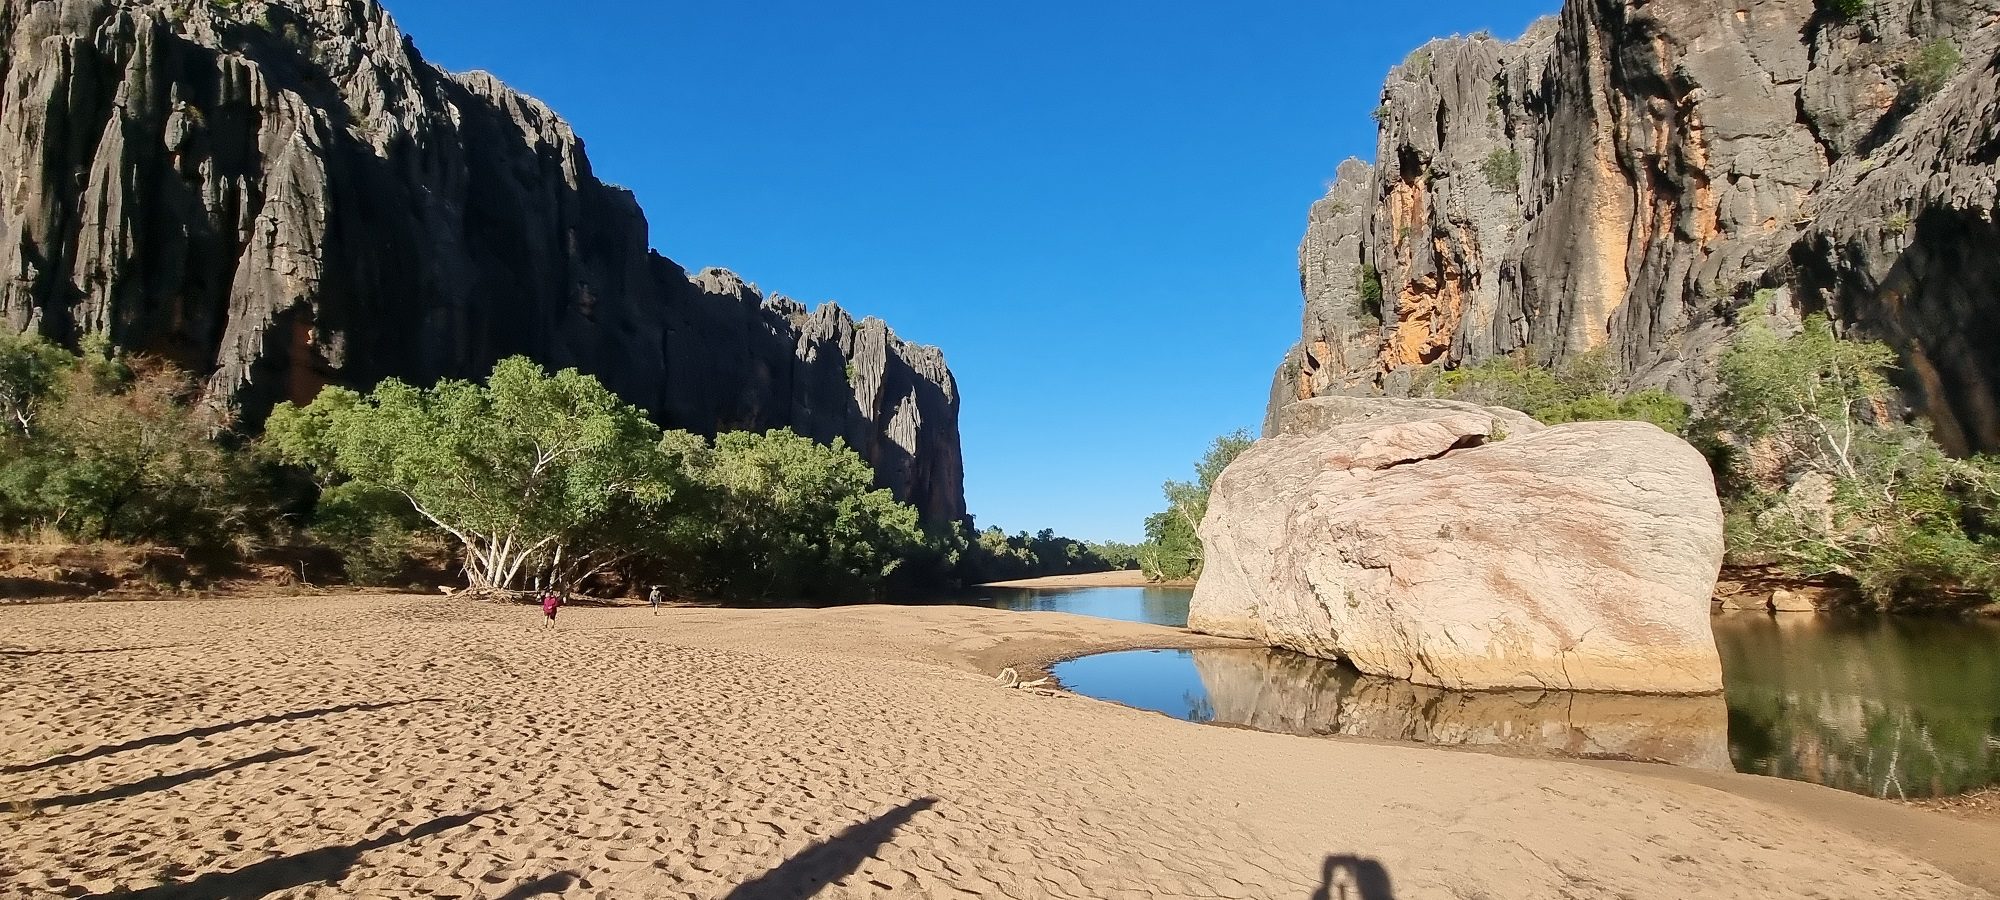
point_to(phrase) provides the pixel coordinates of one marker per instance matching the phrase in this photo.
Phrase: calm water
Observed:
(1877, 706)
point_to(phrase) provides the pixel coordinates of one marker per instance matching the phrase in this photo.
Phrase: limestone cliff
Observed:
(1630, 173)
(281, 195)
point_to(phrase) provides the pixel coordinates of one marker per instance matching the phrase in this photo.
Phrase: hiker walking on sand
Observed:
(654, 597)
(551, 602)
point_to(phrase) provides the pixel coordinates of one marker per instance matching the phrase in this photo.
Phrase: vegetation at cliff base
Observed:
(995, 555)
(1172, 550)
(529, 478)
(101, 448)
(541, 479)
(1822, 477)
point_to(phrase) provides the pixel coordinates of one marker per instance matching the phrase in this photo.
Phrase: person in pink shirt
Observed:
(551, 602)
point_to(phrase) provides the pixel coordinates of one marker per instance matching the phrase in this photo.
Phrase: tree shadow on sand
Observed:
(832, 859)
(1348, 877)
(204, 731)
(322, 866)
(161, 782)
(11, 653)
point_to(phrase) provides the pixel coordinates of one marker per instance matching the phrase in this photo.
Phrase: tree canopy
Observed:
(531, 473)
(1172, 550)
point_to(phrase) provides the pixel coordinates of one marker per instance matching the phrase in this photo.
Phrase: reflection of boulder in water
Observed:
(1274, 690)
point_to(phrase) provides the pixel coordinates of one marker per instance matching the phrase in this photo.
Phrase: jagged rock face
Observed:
(1628, 175)
(1459, 547)
(285, 195)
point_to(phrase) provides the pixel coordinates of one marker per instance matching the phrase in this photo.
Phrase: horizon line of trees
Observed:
(526, 480)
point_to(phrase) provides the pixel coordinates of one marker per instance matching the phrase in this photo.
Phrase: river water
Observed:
(1879, 706)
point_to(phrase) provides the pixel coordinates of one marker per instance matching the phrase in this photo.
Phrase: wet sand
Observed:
(397, 746)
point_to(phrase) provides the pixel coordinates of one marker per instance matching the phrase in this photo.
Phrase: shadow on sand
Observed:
(17, 653)
(162, 782)
(325, 865)
(1347, 877)
(832, 859)
(541, 887)
(204, 731)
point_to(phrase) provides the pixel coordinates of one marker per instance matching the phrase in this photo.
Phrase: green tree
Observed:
(30, 370)
(531, 474)
(776, 515)
(1843, 488)
(1173, 545)
(118, 451)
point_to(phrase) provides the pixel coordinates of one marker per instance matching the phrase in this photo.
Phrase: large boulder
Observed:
(1469, 548)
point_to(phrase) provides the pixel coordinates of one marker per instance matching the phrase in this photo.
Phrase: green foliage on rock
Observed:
(1824, 480)
(1933, 67)
(1583, 390)
(1503, 170)
(1368, 293)
(1845, 9)
(1172, 551)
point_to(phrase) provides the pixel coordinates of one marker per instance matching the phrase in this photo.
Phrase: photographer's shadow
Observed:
(1347, 877)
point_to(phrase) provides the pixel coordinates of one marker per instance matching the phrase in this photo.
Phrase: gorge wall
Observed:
(282, 195)
(1630, 174)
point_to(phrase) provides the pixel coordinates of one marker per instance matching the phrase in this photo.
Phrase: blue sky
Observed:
(1093, 207)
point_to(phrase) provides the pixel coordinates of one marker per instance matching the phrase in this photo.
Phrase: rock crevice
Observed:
(1628, 175)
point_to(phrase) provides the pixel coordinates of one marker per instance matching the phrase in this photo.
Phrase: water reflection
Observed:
(1886, 707)
(1272, 690)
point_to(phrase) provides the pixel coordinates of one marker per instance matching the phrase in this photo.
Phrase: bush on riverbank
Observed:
(529, 478)
(1822, 476)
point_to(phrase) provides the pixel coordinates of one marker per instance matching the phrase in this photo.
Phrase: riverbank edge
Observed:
(1959, 845)
(1116, 578)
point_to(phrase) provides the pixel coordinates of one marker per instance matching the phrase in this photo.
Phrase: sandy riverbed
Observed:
(392, 746)
(1121, 578)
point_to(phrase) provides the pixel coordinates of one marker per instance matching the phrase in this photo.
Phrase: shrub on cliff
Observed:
(1503, 170)
(1933, 66)
(1582, 390)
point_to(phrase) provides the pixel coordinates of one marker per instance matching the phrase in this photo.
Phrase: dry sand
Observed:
(1120, 578)
(403, 746)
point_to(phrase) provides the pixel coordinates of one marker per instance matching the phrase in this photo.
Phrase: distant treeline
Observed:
(530, 479)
